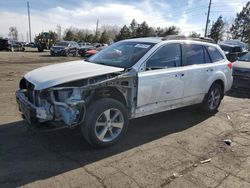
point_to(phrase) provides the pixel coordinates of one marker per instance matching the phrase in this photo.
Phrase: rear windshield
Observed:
(226, 48)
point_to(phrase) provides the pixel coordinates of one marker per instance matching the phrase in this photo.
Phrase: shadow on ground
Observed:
(239, 93)
(27, 156)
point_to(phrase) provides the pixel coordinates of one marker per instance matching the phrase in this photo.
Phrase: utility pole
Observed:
(208, 12)
(59, 32)
(97, 23)
(27, 36)
(28, 5)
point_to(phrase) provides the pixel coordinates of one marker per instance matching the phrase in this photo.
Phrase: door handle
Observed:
(179, 74)
(210, 70)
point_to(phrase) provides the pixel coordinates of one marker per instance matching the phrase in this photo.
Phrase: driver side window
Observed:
(166, 57)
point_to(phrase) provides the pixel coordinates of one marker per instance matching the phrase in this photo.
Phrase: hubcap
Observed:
(109, 125)
(214, 99)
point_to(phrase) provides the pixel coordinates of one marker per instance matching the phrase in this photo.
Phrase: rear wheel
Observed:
(213, 98)
(106, 122)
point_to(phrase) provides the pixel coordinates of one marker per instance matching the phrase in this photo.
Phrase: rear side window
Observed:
(194, 54)
(214, 54)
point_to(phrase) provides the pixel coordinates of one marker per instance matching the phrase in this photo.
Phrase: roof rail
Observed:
(182, 37)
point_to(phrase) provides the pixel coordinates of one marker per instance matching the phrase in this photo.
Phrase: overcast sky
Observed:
(188, 15)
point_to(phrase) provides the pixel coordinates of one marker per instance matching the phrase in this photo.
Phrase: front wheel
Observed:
(213, 99)
(67, 53)
(106, 122)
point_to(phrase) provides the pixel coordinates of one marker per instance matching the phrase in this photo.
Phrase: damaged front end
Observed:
(68, 102)
(56, 104)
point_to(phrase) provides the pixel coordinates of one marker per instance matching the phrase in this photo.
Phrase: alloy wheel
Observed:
(109, 125)
(214, 99)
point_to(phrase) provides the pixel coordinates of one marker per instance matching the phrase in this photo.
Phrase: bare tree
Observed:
(13, 33)
(111, 31)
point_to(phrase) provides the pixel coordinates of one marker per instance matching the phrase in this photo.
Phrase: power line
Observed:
(162, 20)
(177, 14)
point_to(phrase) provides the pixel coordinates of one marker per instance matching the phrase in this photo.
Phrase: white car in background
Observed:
(129, 79)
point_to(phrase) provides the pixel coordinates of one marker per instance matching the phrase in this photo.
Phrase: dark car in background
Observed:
(65, 48)
(84, 47)
(243, 45)
(232, 52)
(241, 72)
(11, 45)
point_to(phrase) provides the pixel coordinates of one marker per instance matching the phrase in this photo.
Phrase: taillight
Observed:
(230, 65)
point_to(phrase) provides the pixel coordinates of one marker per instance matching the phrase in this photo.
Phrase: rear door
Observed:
(198, 68)
(219, 64)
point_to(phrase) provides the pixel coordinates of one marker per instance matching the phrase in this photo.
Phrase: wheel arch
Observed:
(219, 78)
(110, 92)
(221, 83)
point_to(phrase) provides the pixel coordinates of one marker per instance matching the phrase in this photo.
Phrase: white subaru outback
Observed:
(129, 79)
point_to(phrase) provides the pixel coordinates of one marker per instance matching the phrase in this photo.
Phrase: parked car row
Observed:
(68, 48)
(11, 45)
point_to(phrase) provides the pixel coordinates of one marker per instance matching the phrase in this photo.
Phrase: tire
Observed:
(98, 129)
(67, 53)
(40, 48)
(75, 54)
(213, 99)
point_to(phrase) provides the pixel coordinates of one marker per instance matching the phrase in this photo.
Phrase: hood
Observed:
(52, 75)
(59, 47)
(241, 64)
(86, 47)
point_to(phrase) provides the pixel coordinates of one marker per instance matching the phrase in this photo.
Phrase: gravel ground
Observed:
(178, 148)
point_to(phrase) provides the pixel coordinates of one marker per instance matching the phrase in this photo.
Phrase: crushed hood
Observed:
(52, 75)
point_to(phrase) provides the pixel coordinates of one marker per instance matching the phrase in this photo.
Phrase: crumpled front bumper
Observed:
(26, 107)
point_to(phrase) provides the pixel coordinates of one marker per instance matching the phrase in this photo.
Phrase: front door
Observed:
(162, 82)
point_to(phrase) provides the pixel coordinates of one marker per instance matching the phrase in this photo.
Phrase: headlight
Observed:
(62, 95)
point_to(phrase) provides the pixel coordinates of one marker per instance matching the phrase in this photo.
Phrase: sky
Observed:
(188, 15)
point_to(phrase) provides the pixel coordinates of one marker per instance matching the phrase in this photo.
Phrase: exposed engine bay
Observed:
(68, 102)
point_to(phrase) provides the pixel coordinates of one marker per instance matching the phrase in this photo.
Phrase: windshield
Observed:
(245, 57)
(62, 44)
(122, 54)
